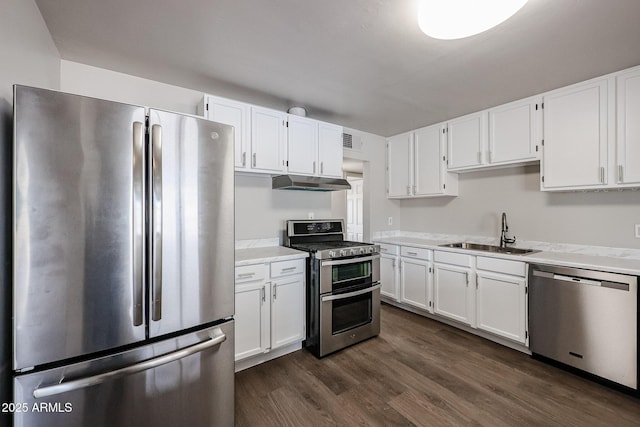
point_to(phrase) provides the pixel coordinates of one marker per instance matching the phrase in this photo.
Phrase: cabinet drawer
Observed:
(287, 268)
(454, 258)
(516, 268)
(408, 251)
(249, 273)
(388, 249)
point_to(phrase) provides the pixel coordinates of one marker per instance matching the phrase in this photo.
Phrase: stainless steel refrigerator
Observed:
(123, 237)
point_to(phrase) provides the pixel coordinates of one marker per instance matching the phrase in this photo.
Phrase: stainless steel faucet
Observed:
(504, 241)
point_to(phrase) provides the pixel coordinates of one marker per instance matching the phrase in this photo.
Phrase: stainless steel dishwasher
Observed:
(586, 319)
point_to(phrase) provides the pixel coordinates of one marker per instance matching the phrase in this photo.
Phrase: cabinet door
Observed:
(302, 146)
(467, 139)
(236, 114)
(388, 277)
(628, 152)
(501, 305)
(415, 282)
(252, 330)
(513, 131)
(429, 160)
(267, 140)
(452, 296)
(575, 136)
(287, 311)
(399, 168)
(330, 150)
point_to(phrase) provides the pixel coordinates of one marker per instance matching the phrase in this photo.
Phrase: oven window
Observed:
(351, 312)
(349, 272)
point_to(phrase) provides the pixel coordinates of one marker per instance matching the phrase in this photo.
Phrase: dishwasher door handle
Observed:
(579, 280)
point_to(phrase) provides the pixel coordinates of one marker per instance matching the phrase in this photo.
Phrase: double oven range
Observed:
(343, 285)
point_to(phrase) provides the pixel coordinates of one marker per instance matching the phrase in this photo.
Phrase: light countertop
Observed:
(260, 255)
(565, 259)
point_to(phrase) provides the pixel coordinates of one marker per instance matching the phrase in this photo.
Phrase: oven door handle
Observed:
(350, 294)
(350, 260)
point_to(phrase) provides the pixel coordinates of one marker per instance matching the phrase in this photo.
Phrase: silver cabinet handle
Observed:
(620, 173)
(412, 253)
(65, 387)
(275, 287)
(245, 275)
(467, 276)
(138, 221)
(393, 263)
(350, 294)
(314, 168)
(321, 168)
(156, 282)
(284, 270)
(602, 174)
(244, 159)
(254, 160)
(264, 294)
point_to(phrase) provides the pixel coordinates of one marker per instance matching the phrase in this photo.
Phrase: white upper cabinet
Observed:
(417, 164)
(399, 168)
(330, 149)
(302, 145)
(236, 114)
(467, 139)
(268, 138)
(628, 129)
(575, 136)
(430, 163)
(515, 132)
(271, 142)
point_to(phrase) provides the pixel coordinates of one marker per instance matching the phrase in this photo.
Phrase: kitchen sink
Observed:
(490, 248)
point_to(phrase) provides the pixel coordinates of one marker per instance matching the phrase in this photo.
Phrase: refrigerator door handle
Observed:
(156, 281)
(218, 338)
(138, 220)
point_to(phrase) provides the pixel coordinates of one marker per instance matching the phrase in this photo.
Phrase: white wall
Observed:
(589, 218)
(261, 212)
(27, 53)
(29, 57)
(377, 208)
(96, 82)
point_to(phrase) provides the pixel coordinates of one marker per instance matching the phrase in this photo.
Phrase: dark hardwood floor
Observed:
(422, 372)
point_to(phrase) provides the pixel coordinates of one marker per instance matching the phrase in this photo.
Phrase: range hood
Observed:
(308, 183)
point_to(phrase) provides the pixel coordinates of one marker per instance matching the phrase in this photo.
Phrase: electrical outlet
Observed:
(390, 221)
(311, 215)
(637, 231)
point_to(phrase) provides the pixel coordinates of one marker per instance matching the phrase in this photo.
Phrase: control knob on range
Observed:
(343, 252)
(371, 249)
(362, 250)
(332, 254)
(352, 251)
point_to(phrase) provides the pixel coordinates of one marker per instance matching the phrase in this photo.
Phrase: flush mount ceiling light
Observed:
(456, 19)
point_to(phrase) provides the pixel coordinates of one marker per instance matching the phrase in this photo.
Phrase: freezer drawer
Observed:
(587, 320)
(187, 389)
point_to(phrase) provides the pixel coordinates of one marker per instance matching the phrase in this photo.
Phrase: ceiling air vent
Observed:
(347, 140)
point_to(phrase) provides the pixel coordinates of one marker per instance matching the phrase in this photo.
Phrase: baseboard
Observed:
(264, 357)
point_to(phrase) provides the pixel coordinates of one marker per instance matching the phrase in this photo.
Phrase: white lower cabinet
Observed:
(501, 303)
(270, 307)
(389, 271)
(253, 313)
(451, 284)
(501, 298)
(287, 311)
(416, 287)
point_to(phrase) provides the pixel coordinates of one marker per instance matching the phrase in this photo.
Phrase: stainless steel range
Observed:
(343, 285)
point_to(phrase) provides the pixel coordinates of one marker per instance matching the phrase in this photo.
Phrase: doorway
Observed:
(355, 216)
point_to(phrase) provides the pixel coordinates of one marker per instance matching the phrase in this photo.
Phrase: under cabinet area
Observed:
(270, 310)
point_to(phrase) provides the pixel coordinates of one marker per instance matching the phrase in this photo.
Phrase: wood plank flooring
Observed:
(424, 373)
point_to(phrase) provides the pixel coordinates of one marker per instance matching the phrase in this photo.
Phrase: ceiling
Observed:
(360, 63)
